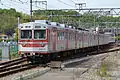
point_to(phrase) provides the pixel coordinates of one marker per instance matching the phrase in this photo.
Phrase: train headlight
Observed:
(42, 44)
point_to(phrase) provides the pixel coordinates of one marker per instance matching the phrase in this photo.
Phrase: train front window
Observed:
(26, 34)
(39, 34)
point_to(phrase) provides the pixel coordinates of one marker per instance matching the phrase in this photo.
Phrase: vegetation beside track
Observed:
(106, 68)
(102, 71)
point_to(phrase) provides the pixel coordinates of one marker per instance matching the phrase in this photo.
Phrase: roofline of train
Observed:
(50, 24)
(61, 26)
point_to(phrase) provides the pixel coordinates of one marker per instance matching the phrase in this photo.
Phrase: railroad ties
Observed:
(14, 66)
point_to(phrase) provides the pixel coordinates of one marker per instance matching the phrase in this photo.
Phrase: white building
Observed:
(3, 37)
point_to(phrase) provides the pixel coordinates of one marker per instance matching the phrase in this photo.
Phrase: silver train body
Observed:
(44, 37)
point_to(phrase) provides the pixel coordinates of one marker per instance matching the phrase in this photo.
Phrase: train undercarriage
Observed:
(64, 55)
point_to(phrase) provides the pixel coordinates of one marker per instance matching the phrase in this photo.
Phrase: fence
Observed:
(8, 51)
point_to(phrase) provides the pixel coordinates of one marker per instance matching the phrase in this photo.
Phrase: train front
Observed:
(32, 39)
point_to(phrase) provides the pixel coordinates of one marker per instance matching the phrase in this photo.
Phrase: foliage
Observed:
(8, 19)
(16, 35)
(8, 40)
(14, 51)
(103, 70)
(0, 39)
(71, 17)
(0, 53)
(14, 55)
(117, 37)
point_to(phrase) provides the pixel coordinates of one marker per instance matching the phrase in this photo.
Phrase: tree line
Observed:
(77, 19)
(8, 19)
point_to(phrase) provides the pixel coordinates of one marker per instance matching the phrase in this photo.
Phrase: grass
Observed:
(103, 70)
(14, 55)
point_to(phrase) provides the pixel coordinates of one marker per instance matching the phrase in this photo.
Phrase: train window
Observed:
(37, 26)
(66, 35)
(26, 34)
(39, 34)
(61, 36)
(27, 26)
(73, 36)
(58, 35)
(70, 36)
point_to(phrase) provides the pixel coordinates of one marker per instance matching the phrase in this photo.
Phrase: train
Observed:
(49, 40)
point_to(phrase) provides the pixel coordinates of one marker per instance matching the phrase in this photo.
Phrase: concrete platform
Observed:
(66, 74)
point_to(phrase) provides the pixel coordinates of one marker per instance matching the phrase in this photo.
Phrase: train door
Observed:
(54, 37)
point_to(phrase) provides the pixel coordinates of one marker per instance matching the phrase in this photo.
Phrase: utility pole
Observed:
(18, 20)
(41, 2)
(81, 5)
(31, 10)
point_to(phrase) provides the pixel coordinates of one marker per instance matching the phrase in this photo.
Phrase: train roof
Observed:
(43, 24)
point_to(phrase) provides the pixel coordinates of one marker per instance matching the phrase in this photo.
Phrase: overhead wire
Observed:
(24, 9)
(23, 2)
(28, 3)
(72, 1)
(8, 6)
(4, 5)
(66, 3)
(20, 2)
(38, 7)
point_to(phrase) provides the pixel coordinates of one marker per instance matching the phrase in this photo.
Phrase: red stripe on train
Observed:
(34, 45)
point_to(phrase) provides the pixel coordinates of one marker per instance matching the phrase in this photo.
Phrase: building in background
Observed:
(3, 37)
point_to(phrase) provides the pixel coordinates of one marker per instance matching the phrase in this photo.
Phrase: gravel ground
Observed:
(107, 68)
(23, 73)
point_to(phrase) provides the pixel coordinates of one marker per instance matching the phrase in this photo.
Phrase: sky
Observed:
(24, 6)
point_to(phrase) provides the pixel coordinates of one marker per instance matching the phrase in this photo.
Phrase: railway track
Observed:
(69, 60)
(12, 63)
(15, 69)
(14, 66)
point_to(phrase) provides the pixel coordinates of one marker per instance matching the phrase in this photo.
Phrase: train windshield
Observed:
(26, 34)
(39, 34)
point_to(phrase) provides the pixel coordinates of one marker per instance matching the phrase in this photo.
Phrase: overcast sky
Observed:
(58, 4)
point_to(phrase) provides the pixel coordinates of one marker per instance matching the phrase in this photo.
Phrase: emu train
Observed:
(46, 39)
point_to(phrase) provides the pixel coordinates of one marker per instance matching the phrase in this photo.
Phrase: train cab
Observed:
(33, 37)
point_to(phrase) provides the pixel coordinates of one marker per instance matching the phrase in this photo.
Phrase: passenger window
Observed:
(66, 35)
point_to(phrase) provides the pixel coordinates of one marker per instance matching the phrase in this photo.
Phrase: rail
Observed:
(3, 63)
(16, 69)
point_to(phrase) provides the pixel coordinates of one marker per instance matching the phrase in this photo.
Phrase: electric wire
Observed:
(32, 4)
(72, 1)
(66, 3)
(23, 2)
(8, 6)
